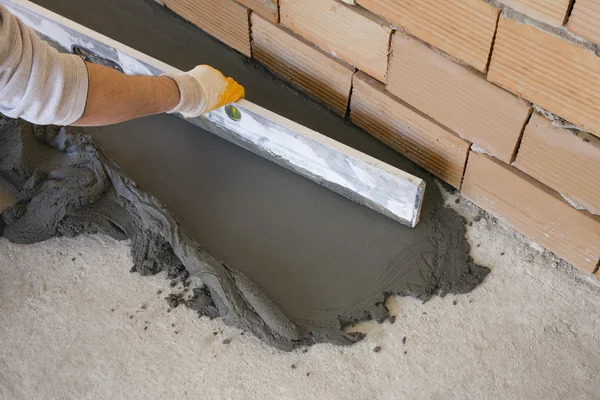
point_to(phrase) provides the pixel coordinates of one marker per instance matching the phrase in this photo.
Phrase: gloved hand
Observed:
(204, 89)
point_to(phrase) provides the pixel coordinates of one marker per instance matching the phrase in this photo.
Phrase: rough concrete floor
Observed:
(75, 324)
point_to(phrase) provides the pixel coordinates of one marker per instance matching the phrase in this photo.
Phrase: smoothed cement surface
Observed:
(281, 257)
(315, 254)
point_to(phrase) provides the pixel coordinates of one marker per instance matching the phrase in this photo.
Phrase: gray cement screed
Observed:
(279, 256)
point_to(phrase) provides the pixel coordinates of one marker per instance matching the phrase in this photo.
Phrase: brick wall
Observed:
(499, 98)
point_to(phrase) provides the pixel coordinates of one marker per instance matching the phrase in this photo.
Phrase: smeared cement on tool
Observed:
(280, 256)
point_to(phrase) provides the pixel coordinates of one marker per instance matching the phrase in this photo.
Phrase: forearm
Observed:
(43, 86)
(114, 97)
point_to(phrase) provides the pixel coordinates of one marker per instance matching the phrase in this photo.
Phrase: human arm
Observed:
(37, 82)
(114, 97)
(44, 86)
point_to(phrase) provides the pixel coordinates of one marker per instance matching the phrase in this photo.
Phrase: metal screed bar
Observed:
(340, 168)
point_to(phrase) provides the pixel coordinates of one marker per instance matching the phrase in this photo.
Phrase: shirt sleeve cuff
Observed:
(77, 84)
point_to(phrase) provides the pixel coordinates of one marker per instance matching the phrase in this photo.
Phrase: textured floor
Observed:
(75, 324)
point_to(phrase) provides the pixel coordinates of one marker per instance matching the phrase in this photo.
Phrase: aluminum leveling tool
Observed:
(340, 168)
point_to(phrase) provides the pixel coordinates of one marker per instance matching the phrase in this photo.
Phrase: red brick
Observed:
(299, 62)
(268, 9)
(534, 210)
(552, 12)
(462, 28)
(346, 32)
(457, 97)
(563, 161)
(226, 20)
(407, 131)
(585, 19)
(554, 73)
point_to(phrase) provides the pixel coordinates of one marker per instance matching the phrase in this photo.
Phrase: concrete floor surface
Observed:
(75, 324)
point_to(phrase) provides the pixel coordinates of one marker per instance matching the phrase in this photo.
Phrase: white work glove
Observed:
(204, 89)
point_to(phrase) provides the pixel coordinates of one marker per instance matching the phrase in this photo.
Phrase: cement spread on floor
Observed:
(280, 256)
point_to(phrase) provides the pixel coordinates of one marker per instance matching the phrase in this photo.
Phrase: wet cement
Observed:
(280, 256)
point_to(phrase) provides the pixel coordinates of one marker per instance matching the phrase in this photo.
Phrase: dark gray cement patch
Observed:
(312, 252)
(281, 257)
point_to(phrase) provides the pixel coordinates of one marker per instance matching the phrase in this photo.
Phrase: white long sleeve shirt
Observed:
(38, 83)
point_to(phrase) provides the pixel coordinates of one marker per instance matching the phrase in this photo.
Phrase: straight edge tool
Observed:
(342, 169)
